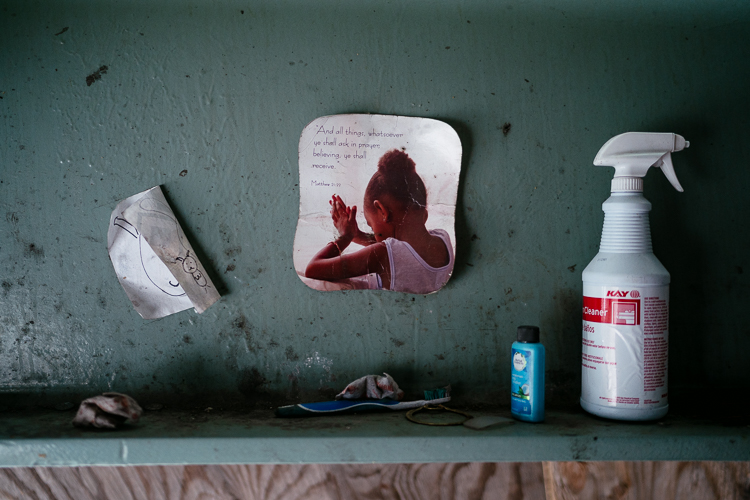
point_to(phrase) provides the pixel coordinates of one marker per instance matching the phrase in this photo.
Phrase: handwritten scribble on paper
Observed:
(172, 286)
(154, 261)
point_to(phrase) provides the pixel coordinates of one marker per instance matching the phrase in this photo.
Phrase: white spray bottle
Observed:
(626, 289)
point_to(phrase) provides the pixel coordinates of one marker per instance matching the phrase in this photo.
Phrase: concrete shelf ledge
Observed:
(47, 438)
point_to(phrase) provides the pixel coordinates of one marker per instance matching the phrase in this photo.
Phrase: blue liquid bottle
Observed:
(527, 376)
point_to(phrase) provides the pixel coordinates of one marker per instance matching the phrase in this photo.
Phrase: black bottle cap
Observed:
(528, 334)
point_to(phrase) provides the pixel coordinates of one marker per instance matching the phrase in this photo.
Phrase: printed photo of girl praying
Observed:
(399, 253)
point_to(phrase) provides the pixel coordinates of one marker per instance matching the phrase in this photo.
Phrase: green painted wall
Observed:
(223, 90)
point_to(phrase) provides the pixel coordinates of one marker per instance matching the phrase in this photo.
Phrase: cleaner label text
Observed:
(612, 311)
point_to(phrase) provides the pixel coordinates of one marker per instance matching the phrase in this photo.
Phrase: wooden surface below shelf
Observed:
(511, 481)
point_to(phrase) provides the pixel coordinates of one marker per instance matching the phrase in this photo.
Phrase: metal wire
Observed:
(410, 415)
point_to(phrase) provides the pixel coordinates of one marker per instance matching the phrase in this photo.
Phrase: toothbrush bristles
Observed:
(434, 394)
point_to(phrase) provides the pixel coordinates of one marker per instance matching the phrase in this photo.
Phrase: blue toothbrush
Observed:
(436, 396)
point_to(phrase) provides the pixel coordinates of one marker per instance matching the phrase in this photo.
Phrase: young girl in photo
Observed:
(404, 255)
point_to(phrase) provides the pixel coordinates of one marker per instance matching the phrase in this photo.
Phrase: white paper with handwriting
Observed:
(153, 259)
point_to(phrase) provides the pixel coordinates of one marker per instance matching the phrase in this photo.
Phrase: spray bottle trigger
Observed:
(665, 163)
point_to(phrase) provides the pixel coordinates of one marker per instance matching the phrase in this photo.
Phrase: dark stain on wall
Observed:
(233, 251)
(243, 327)
(250, 382)
(506, 129)
(35, 251)
(291, 355)
(96, 75)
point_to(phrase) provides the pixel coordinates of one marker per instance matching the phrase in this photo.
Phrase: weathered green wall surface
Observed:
(208, 100)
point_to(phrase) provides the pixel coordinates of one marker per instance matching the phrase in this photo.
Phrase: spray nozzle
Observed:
(633, 153)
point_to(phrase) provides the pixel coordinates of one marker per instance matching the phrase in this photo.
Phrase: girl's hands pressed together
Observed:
(330, 263)
(344, 218)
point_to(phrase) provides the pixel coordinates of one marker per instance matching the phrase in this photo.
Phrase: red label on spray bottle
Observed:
(625, 341)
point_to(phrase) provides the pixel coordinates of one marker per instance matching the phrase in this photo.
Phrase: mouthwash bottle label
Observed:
(625, 342)
(520, 382)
